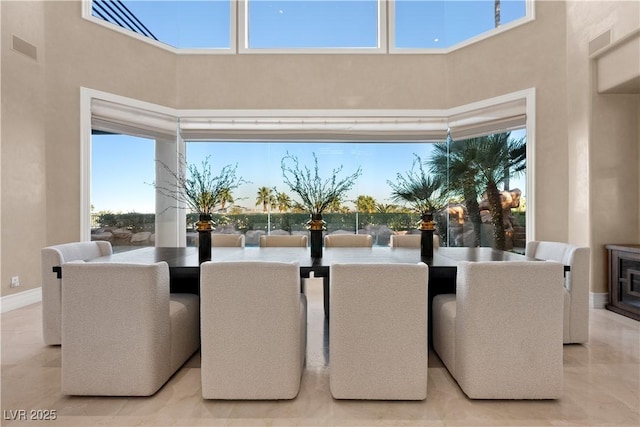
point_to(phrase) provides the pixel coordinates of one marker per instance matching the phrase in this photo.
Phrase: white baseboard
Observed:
(21, 299)
(598, 300)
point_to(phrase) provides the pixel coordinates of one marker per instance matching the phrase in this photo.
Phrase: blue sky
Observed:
(123, 167)
(320, 23)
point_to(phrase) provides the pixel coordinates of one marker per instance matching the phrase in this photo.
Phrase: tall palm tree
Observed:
(477, 164)
(421, 191)
(284, 202)
(265, 197)
(450, 162)
(225, 197)
(497, 158)
(335, 205)
(366, 204)
(386, 208)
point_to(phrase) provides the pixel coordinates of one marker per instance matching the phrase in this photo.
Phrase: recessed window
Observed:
(312, 24)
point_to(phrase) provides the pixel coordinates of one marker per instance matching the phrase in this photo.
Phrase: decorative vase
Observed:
(427, 227)
(204, 227)
(316, 227)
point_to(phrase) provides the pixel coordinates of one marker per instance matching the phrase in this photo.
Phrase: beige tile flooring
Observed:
(601, 388)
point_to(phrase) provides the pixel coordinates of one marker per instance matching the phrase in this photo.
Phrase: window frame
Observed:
(239, 34)
(243, 36)
(326, 124)
(528, 17)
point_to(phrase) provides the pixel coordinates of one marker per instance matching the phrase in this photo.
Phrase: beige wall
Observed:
(23, 142)
(40, 110)
(603, 138)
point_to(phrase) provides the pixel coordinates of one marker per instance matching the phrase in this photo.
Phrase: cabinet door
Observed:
(625, 282)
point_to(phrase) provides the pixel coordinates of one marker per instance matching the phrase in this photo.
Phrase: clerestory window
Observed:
(345, 26)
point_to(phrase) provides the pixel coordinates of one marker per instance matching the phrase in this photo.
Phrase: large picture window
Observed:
(466, 171)
(477, 159)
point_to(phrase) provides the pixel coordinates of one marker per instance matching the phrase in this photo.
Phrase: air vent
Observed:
(24, 47)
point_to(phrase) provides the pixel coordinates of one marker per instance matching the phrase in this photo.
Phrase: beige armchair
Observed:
(283, 241)
(500, 335)
(378, 331)
(254, 330)
(56, 256)
(123, 333)
(227, 240)
(411, 241)
(576, 285)
(348, 241)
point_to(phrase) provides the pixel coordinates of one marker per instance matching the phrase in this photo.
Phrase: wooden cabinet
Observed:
(624, 280)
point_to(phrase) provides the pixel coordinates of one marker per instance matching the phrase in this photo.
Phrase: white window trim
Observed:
(325, 125)
(239, 34)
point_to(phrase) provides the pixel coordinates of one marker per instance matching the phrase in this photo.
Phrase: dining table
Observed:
(184, 264)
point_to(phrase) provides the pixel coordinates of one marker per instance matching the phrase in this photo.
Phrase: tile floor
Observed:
(601, 388)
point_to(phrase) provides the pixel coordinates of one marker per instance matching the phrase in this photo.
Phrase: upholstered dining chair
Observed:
(500, 334)
(123, 333)
(227, 240)
(378, 331)
(576, 285)
(294, 240)
(411, 241)
(56, 256)
(348, 241)
(254, 330)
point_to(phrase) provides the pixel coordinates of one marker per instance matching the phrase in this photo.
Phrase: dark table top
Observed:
(188, 257)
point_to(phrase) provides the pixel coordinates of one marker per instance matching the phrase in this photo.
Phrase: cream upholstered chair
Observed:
(348, 241)
(576, 285)
(500, 335)
(227, 240)
(123, 333)
(56, 256)
(411, 241)
(254, 330)
(283, 241)
(378, 331)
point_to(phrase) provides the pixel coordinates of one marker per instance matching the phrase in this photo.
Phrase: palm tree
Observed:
(423, 192)
(451, 163)
(265, 197)
(366, 204)
(496, 158)
(386, 208)
(284, 202)
(225, 197)
(335, 205)
(480, 163)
